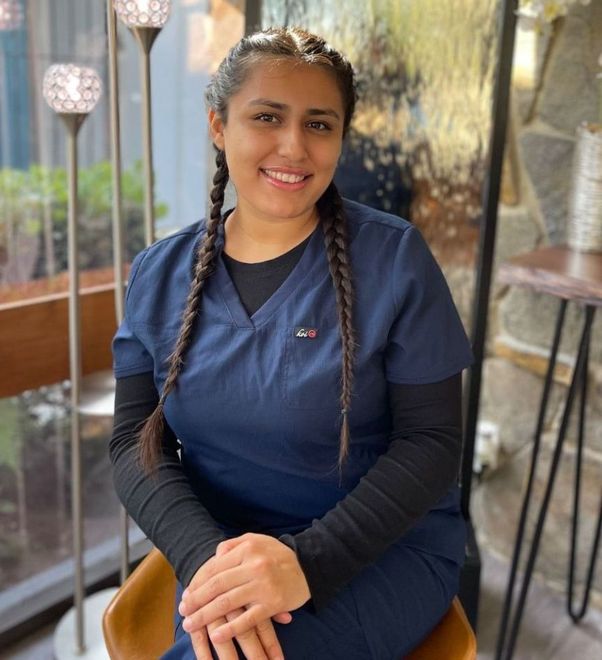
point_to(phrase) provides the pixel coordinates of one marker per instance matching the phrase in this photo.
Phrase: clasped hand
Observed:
(251, 579)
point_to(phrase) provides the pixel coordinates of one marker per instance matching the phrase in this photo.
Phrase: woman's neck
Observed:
(256, 241)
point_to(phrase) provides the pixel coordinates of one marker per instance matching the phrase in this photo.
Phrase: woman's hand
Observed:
(258, 644)
(252, 571)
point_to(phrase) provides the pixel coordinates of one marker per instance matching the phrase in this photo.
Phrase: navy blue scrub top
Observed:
(256, 407)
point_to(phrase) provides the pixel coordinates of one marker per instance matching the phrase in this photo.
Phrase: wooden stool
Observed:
(138, 623)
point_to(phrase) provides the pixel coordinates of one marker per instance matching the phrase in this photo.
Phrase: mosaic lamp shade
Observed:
(71, 89)
(143, 13)
(11, 15)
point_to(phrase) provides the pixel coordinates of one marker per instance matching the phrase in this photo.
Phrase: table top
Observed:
(559, 271)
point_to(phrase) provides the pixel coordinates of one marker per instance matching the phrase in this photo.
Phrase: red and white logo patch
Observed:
(303, 332)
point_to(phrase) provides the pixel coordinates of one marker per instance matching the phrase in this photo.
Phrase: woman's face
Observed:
(282, 139)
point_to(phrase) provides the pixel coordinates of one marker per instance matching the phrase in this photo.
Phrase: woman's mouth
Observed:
(285, 180)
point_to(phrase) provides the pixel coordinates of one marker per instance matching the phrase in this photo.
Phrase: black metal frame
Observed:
(470, 580)
(507, 636)
(491, 196)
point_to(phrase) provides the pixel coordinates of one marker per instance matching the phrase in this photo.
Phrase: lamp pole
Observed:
(72, 92)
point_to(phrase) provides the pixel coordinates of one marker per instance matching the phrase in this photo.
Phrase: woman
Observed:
(305, 352)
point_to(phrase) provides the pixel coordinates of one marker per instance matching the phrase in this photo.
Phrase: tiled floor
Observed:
(546, 634)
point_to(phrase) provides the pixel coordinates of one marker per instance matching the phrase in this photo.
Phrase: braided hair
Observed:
(278, 43)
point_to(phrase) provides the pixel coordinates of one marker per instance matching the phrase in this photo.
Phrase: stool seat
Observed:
(138, 622)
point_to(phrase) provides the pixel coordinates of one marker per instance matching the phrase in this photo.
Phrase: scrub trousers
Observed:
(382, 614)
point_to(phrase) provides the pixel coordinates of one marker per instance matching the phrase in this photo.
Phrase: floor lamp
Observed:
(145, 19)
(73, 91)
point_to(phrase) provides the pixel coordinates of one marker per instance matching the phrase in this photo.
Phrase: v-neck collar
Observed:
(308, 261)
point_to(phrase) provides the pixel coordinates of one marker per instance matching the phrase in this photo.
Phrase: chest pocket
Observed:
(312, 367)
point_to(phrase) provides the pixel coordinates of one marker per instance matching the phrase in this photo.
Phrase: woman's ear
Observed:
(216, 129)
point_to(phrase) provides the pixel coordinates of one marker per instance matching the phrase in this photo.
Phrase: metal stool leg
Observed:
(527, 497)
(577, 615)
(577, 375)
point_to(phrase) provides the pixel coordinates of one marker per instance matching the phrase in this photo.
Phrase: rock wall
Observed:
(533, 212)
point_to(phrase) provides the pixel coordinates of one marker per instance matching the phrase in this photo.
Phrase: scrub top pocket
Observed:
(312, 368)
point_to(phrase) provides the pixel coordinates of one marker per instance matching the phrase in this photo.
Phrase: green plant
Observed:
(33, 216)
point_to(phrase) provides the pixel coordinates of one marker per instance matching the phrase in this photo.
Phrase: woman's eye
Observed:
(319, 125)
(266, 117)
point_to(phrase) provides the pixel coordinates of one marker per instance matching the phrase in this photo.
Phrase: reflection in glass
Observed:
(35, 530)
(418, 143)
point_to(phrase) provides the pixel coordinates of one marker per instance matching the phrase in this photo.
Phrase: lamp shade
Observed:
(143, 13)
(71, 89)
(11, 14)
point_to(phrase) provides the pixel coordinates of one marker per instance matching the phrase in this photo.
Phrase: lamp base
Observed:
(64, 645)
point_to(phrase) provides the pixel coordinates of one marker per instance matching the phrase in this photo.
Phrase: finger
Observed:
(249, 642)
(228, 544)
(245, 622)
(214, 566)
(269, 640)
(219, 607)
(225, 650)
(283, 617)
(214, 587)
(200, 645)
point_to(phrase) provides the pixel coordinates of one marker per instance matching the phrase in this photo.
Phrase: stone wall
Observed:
(533, 213)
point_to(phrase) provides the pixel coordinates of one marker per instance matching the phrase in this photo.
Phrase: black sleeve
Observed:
(164, 506)
(419, 466)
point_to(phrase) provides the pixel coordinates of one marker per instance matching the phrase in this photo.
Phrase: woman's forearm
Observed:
(163, 505)
(418, 468)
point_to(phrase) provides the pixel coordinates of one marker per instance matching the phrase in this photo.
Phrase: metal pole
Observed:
(145, 38)
(73, 123)
(118, 240)
(147, 140)
(491, 193)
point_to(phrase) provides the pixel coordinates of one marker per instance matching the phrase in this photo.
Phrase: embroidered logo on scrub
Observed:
(306, 333)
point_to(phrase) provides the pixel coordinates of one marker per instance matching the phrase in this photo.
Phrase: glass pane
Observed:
(35, 493)
(33, 194)
(417, 146)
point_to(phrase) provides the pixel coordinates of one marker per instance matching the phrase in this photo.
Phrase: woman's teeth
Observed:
(287, 178)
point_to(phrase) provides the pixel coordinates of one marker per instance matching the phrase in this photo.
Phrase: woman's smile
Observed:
(286, 179)
(282, 139)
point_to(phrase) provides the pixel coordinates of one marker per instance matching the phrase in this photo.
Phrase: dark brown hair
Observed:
(279, 43)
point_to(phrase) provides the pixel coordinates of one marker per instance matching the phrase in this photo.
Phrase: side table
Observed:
(575, 277)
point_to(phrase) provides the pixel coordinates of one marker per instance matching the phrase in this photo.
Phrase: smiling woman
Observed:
(295, 363)
(281, 156)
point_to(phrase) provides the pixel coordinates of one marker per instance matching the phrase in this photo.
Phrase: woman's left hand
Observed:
(253, 571)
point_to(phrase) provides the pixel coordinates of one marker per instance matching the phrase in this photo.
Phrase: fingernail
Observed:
(185, 593)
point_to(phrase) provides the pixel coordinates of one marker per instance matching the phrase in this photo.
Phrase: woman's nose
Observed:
(293, 143)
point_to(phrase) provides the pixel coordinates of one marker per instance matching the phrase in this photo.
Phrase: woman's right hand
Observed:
(260, 643)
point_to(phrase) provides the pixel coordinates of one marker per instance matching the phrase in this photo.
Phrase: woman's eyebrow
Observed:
(282, 106)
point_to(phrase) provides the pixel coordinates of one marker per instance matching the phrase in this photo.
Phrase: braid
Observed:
(334, 226)
(152, 431)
